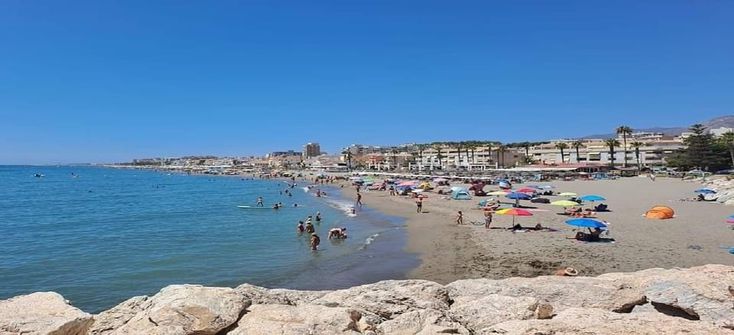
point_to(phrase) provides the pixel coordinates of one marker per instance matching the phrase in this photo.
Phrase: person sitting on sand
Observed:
(300, 228)
(593, 236)
(310, 228)
(315, 241)
(460, 218)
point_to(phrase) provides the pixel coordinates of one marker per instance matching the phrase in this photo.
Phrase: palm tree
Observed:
(611, 143)
(439, 156)
(728, 140)
(624, 131)
(501, 154)
(349, 158)
(576, 145)
(489, 150)
(562, 146)
(637, 146)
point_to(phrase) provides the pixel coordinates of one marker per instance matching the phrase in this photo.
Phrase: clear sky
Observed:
(101, 81)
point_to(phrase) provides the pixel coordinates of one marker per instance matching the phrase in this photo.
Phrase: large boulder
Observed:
(42, 313)
(261, 295)
(176, 310)
(422, 322)
(389, 298)
(601, 322)
(305, 319)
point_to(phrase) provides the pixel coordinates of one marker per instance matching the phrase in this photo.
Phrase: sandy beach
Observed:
(696, 236)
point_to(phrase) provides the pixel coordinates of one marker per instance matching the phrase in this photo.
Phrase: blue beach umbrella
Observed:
(586, 223)
(518, 196)
(705, 191)
(592, 198)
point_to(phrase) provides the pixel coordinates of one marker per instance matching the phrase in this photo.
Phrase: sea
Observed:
(99, 236)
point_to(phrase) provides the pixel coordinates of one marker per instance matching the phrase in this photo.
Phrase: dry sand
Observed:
(449, 252)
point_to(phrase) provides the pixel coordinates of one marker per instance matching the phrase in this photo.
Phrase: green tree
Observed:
(437, 146)
(727, 140)
(637, 146)
(577, 144)
(562, 146)
(611, 143)
(348, 153)
(624, 131)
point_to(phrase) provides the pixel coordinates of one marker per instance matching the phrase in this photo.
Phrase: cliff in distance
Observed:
(697, 300)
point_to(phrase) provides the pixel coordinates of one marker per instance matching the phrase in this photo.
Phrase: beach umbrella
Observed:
(513, 212)
(518, 196)
(705, 191)
(457, 189)
(586, 223)
(440, 180)
(505, 185)
(592, 198)
(498, 193)
(407, 183)
(568, 194)
(527, 190)
(730, 219)
(565, 203)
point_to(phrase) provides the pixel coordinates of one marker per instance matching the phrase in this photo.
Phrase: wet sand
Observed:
(696, 236)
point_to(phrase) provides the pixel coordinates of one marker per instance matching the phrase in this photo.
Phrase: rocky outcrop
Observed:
(42, 313)
(656, 301)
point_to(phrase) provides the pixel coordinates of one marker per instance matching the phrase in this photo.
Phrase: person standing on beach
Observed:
(359, 199)
(315, 241)
(487, 219)
(260, 202)
(460, 218)
(419, 204)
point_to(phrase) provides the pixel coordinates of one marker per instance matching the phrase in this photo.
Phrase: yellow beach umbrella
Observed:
(498, 193)
(568, 194)
(565, 203)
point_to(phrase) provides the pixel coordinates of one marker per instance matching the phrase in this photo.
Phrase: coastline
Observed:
(696, 236)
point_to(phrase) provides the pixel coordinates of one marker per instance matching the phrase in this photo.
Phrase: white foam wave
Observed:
(345, 206)
(369, 241)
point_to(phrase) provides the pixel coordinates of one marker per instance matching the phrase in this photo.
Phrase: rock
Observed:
(390, 298)
(492, 309)
(116, 317)
(601, 322)
(544, 311)
(177, 310)
(42, 313)
(304, 319)
(422, 322)
(261, 295)
(560, 292)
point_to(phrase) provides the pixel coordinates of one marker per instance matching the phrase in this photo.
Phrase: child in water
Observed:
(315, 241)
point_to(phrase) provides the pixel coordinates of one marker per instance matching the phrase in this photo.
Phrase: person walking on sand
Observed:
(419, 205)
(359, 199)
(487, 219)
(460, 218)
(315, 241)
(260, 202)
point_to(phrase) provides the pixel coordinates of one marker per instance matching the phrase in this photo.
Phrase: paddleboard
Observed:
(253, 207)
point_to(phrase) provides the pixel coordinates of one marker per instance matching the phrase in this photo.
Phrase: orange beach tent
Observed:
(660, 213)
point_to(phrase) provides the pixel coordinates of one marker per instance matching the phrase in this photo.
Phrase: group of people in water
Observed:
(307, 227)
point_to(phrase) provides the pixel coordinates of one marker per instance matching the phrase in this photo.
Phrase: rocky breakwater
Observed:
(724, 190)
(698, 300)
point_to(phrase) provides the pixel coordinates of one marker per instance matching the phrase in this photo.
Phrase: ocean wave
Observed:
(368, 241)
(344, 205)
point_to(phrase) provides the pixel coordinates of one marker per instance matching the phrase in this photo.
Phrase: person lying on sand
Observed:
(593, 236)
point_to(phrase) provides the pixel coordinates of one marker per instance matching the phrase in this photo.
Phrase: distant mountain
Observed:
(722, 121)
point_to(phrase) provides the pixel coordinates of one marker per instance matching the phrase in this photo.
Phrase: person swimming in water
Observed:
(309, 227)
(300, 228)
(315, 241)
(338, 233)
(318, 216)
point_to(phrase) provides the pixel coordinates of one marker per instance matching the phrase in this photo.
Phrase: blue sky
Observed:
(100, 81)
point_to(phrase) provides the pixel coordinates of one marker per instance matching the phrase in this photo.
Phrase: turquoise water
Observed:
(99, 236)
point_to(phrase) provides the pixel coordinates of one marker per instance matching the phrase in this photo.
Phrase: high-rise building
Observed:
(311, 150)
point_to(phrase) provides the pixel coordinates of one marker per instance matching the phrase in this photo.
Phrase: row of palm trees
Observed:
(611, 143)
